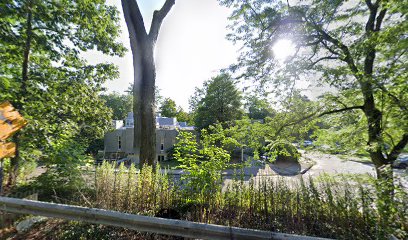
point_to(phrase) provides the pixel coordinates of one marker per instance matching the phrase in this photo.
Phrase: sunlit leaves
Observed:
(60, 98)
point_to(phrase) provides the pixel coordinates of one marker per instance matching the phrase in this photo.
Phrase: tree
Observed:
(44, 77)
(142, 44)
(183, 116)
(204, 162)
(290, 123)
(221, 102)
(168, 108)
(357, 47)
(120, 104)
(258, 108)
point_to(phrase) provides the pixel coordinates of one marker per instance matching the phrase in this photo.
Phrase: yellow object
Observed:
(10, 122)
(7, 150)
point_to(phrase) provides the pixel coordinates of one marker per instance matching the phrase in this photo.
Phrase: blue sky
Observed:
(191, 47)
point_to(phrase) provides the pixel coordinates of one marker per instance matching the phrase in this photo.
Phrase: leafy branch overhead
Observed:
(355, 49)
(46, 79)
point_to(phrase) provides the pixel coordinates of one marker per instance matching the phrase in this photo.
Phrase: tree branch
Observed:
(134, 18)
(397, 149)
(329, 48)
(341, 110)
(314, 114)
(369, 4)
(394, 98)
(380, 18)
(294, 123)
(348, 58)
(158, 17)
(321, 59)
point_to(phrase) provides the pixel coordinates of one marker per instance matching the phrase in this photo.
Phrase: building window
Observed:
(119, 143)
(162, 158)
(158, 158)
(162, 146)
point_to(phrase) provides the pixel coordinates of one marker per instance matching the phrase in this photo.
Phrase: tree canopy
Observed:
(120, 104)
(44, 77)
(168, 108)
(356, 48)
(219, 100)
(258, 108)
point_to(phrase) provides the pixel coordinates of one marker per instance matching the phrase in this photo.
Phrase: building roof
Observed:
(161, 122)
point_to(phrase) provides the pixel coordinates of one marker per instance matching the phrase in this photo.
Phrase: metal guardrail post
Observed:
(140, 223)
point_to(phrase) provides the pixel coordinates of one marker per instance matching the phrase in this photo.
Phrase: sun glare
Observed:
(283, 48)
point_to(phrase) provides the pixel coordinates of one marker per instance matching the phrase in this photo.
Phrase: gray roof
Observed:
(163, 121)
(160, 121)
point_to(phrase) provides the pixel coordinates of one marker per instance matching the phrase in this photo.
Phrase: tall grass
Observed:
(339, 208)
(127, 190)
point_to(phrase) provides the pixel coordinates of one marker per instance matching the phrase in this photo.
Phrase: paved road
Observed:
(333, 164)
(324, 163)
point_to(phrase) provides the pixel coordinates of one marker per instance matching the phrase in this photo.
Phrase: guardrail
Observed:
(140, 223)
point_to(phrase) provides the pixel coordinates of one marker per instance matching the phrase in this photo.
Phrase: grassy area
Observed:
(341, 208)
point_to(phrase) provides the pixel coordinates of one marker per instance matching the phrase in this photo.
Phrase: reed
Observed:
(334, 207)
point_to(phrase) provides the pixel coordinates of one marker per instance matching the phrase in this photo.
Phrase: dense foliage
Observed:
(44, 77)
(120, 104)
(283, 151)
(218, 101)
(258, 108)
(204, 162)
(168, 108)
(355, 48)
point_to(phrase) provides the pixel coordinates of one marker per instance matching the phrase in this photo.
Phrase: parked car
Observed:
(401, 162)
(307, 143)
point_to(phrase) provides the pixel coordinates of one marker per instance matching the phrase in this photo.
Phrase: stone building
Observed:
(118, 145)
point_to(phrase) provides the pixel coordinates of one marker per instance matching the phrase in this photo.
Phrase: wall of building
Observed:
(165, 137)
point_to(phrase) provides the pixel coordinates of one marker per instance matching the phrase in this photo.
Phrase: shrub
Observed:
(283, 151)
(204, 165)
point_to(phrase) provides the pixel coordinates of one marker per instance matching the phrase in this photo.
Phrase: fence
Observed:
(140, 223)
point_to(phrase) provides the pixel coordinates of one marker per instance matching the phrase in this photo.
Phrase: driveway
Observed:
(324, 163)
(333, 164)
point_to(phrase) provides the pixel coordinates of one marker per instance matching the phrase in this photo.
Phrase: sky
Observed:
(190, 49)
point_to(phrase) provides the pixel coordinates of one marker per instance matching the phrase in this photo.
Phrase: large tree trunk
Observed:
(148, 124)
(142, 44)
(137, 107)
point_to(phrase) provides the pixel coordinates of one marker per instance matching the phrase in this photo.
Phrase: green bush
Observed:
(283, 151)
(204, 164)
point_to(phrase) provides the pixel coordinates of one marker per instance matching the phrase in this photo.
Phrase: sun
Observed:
(283, 48)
